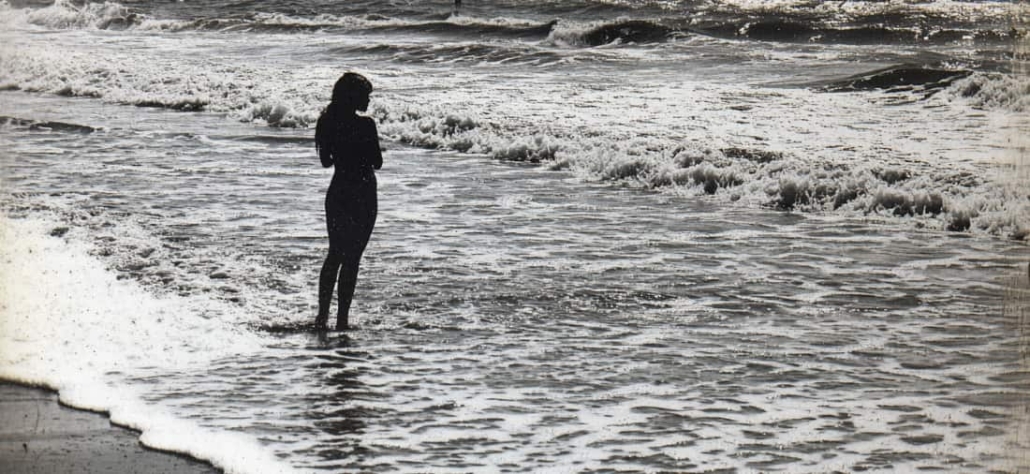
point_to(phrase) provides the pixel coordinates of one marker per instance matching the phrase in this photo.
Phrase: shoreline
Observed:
(39, 434)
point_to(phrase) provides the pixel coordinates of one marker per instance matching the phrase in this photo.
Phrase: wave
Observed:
(279, 23)
(273, 139)
(768, 177)
(63, 14)
(780, 24)
(45, 125)
(124, 319)
(462, 52)
(901, 78)
(795, 31)
(785, 22)
(860, 22)
(945, 200)
(992, 91)
(965, 200)
(941, 198)
(897, 12)
(592, 34)
(978, 89)
(614, 32)
(981, 90)
(937, 198)
(472, 26)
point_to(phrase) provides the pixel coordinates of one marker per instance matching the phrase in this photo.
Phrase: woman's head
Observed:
(351, 92)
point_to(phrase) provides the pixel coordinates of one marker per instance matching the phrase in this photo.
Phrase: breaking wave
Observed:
(604, 33)
(945, 199)
(785, 30)
(993, 91)
(280, 23)
(955, 199)
(63, 14)
(784, 23)
(900, 77)
(46, 125)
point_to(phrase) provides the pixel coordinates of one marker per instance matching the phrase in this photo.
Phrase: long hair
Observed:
(348, 89)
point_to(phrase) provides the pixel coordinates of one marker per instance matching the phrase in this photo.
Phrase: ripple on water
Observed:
(542, 323)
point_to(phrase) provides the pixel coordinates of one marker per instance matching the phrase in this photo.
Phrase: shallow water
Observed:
(512, 318)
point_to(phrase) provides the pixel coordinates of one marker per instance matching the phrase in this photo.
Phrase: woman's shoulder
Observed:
(356, 124)
(367, 121)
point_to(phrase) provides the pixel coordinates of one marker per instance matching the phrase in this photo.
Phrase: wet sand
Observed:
(39, 435)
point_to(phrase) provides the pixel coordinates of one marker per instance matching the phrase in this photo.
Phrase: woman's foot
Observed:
(341, 323)
(322, 322)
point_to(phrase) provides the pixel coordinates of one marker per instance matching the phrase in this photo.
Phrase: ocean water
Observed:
(614, 236)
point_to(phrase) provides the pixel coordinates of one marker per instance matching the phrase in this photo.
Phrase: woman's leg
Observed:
(350, 241)
(348, 281)
(351, 264)
(326, 282)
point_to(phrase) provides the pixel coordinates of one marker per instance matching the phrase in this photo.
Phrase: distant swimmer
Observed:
(350, 143)
(457, 7)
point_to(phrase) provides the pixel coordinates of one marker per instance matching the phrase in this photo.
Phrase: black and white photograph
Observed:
(514, 236)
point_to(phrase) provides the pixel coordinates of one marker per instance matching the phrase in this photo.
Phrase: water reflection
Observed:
(1017, 313)
(340, 411)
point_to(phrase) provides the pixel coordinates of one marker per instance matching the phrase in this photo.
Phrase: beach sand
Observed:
(39, 435)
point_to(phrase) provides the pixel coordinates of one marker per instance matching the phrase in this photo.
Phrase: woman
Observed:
(350, 143)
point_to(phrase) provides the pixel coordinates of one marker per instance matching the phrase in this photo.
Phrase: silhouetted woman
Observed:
(350, 143)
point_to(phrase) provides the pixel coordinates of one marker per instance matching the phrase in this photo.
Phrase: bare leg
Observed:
(326, 282)
(348, 281)
(348, 236)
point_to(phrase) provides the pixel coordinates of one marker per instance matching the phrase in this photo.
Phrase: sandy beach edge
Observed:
(38, 434)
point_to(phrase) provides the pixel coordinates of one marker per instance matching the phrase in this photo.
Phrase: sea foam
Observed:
(708, 162)
(63, 14)
(993, 91)
(70, 325)
(727, 142)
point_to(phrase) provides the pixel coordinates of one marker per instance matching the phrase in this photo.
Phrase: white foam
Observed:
(661, 130)
(69, 324)
(63, 14)
(993, 91)
(981, 11)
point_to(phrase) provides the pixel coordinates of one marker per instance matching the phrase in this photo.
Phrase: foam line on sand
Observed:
(39, 435)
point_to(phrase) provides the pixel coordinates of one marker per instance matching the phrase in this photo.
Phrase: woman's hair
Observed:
(349, 88)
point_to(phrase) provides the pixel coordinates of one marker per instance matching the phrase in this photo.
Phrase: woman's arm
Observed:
(375, 154)
(325, 156)
(323, 142)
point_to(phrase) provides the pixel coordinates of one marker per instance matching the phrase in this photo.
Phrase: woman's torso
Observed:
(354, 146)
